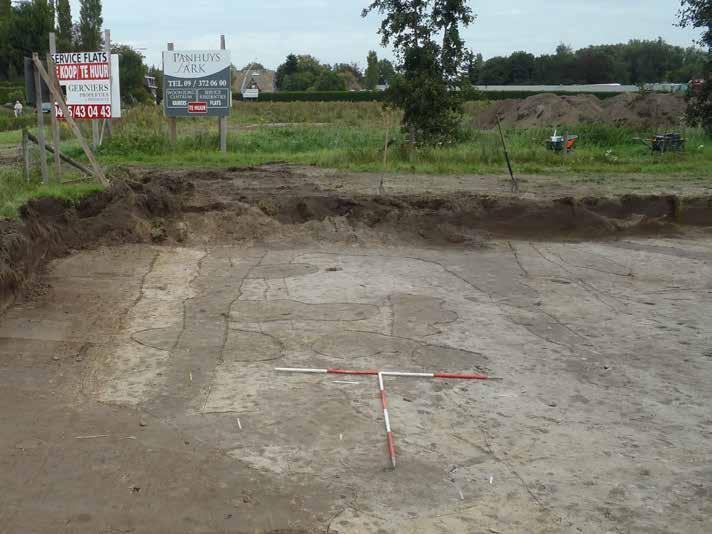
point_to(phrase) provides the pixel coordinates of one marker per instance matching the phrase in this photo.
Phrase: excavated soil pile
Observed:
(658, 111)
(126, 212)
(218, 206)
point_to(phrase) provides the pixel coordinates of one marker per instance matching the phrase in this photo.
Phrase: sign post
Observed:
(40, 121)
(172, 122)
(55, 122)
(107, 49)
(198, 83)
(222, 121)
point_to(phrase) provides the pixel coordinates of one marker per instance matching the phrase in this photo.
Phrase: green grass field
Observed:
(351, 136)
(15, 191)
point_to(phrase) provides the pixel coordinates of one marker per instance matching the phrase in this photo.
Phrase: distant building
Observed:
(261, 80)
(150, 83)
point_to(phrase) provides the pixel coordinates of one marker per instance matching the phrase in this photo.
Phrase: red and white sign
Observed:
(91, 84)
(86, 112)
(197, 107)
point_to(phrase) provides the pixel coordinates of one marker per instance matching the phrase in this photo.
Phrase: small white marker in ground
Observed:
(462, 497)
(341, 437)
(190, 375)
(239, 425)
(491, 480)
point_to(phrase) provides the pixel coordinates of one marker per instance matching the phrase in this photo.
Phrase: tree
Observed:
(5, 9)
(132, 74)
(329, 81)
(65, 41)
(90, 23)
(386, 72)
(698, 14)
(431, 70)
(372, 70)
(288, 68)
(26, 31)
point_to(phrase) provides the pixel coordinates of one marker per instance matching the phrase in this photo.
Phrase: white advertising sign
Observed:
(89, 91)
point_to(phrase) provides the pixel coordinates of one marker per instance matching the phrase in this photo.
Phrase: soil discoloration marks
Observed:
(138, 392)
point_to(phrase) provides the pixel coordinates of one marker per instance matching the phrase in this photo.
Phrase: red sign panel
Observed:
(86, 111)
(197, 107)
(82, 71)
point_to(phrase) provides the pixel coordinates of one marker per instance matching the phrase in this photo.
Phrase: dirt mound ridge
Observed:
(125, 213)
(549, 110)
(208, 208)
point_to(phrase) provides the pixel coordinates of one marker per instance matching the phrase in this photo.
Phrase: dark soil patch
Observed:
(128, 212)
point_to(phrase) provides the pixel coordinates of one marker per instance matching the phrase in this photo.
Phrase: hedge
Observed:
(377, 96)
(10, 93)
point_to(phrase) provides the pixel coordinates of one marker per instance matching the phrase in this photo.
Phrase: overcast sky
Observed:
(333, 30)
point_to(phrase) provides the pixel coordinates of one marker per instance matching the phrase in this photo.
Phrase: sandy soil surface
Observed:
(137, 391)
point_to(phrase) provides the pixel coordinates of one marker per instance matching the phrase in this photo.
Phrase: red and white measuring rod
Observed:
(389, 434)
(385, 373)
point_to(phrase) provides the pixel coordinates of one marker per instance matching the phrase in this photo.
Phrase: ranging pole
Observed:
(384, 400)
(389, 433)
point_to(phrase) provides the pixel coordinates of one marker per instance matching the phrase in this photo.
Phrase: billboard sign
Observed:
(90, 92)
(197, 83)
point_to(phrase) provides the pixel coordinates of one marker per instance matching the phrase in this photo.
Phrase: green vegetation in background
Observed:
(142, 138)
(378, 96)
(16, 191)
(636, 62)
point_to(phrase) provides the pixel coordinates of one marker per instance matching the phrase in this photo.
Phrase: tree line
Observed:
(635, 62)
(25, 28)
(306, 73)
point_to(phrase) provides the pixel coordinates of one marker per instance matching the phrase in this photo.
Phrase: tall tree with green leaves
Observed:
(65, 42)
(5, 9)
(371, 75)
(90, 23)
(698, 14)
(432, 61)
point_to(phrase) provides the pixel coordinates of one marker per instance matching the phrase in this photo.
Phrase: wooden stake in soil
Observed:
(53, 115)
(172, 124)
(57, 94)
(40, 119)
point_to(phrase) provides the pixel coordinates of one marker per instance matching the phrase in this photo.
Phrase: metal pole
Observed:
(40, 120)
(53, 115)
(172, 125)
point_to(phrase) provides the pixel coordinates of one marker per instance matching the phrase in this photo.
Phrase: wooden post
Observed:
(26, 153)
(107, 122)
(95, 133)
(172, 125)
(53, 115)
(222, 121)
(40, 119)
(57, 94)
